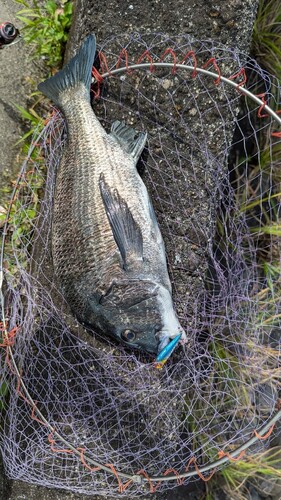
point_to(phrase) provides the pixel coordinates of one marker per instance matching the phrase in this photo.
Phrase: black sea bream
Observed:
(108, 252)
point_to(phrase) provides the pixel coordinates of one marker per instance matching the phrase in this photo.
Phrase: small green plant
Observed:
(46, 27)
(4, 391)
(21, 220)
(265, 465)
(34, 120)
(235, 479)
(267, 36)
(22, 214)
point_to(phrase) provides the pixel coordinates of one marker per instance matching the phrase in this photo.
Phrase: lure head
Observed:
(166, 352)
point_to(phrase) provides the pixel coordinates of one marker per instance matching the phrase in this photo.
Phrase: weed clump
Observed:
(46, 27)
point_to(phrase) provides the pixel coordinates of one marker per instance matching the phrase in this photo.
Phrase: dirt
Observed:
(187, 226)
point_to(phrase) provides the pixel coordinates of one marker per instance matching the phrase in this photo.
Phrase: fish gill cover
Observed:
(81, 412)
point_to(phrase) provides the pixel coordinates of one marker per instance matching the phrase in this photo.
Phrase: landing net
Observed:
(82, 412)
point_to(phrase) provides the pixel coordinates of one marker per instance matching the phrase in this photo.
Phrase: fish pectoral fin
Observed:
(129, 139)
(126, 231)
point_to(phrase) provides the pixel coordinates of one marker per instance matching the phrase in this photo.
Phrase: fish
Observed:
(108, 252)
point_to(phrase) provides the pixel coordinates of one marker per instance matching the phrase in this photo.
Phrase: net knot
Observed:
(212, 61)
(98, 80)
(138, 479)
(222, 454)
(8, 338)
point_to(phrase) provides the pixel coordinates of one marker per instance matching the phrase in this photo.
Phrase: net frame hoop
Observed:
(136, 478)
(216, 76)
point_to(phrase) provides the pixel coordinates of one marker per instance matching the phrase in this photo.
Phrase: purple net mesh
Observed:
(211, 170)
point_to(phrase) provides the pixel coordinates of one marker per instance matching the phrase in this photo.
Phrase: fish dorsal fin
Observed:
(129, 139)
(126, 231)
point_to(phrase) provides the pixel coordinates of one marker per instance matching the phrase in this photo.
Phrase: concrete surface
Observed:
(17, 76)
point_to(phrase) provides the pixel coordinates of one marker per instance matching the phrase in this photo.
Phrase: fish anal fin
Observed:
(126, 231)
(130, 140)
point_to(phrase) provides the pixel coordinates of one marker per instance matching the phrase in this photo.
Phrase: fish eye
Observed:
(128, 335)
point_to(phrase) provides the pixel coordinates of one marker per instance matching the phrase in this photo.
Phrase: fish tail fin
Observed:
(78, 70)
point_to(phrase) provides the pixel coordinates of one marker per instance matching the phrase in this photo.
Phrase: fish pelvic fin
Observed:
(129, 139)
(76, 72)
(126, 231)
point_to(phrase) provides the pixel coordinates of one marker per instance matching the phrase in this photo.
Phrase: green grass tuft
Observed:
(267, 36)
(46, 27)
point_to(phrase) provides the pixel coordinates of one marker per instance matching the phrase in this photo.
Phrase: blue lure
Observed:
(167, 351)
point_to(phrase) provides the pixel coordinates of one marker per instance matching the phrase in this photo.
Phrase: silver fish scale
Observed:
(86, 257)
